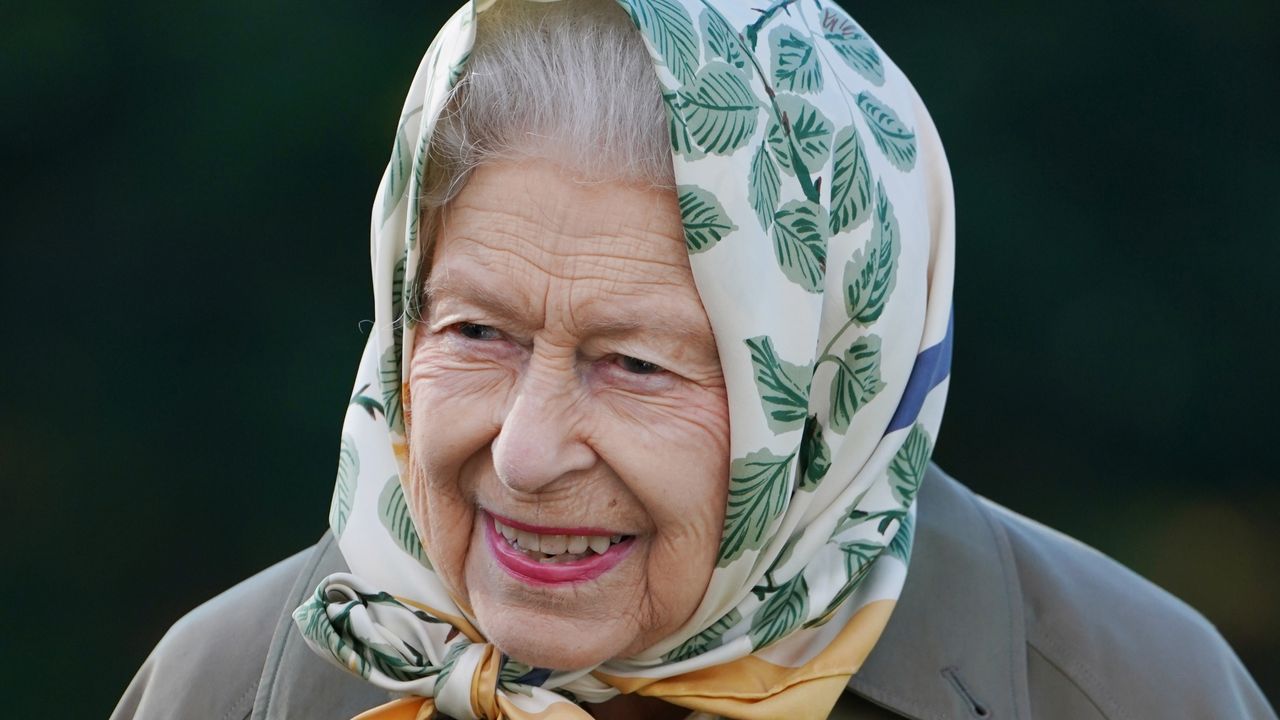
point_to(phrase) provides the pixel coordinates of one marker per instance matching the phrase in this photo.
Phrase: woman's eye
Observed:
(638, 366)
(475, 331)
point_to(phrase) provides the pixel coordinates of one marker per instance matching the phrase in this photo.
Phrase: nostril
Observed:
(975, 706)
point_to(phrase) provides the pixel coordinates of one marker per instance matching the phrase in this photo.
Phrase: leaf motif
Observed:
(906, 470)
(393, 511)
(344, 488)
(801, 128)
(850, 182)
(670, 31)
(705, 220)
(815, 455)
(783, 386)
(858, 556)
(764, 185)
(900, 545)
(852, 45)
(757, 494)
(784, 611)
(400, 166)
(896, 141)
(708, 639)
(800, 243)
(871, 272)
(681, 141)
(856, 381)
(719, 108)
(397, 288)
(719, 39)
(794, 62)
(368, 404)
(389, 375)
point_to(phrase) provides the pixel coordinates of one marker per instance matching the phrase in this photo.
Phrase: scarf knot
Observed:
(391, 644)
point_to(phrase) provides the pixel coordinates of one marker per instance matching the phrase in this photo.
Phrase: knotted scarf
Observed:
(818, 218)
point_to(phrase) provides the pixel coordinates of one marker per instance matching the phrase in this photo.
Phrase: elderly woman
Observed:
(663, 328)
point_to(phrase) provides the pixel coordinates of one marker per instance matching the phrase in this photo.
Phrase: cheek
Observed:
(674, 456)
(454, 407)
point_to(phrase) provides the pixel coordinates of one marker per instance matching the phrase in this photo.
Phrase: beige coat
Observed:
(1000, 618)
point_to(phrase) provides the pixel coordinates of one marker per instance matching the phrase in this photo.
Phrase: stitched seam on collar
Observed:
(1094, 698)
(277, 651)
(1012, 584)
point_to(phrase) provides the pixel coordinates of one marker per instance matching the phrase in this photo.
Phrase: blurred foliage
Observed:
(186, 190)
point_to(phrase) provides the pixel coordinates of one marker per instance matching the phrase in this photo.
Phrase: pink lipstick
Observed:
(523, 565)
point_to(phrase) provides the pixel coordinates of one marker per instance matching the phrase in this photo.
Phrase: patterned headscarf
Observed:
(817, 212)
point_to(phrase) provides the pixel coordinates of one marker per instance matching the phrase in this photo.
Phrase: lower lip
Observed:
(522, 567)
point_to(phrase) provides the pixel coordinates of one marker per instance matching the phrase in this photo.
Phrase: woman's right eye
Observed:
(476, 331)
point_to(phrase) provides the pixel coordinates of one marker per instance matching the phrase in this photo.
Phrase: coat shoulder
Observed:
(207, 667)
(1102, 637)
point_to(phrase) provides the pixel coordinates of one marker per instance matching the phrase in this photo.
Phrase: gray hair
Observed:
(570, 81)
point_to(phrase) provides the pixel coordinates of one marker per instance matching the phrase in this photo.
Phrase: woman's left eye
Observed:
(476, 331)
(638, 366)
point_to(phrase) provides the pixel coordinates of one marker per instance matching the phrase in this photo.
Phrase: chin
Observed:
(554, 643)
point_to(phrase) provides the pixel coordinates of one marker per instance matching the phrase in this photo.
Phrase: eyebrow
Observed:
(467, 289)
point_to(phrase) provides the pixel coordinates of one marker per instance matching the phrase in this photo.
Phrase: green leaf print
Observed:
(705, 220)
(900, 545)
(344, 489)
(781, 613)
(850, 182)
(450, 660)
(858, 555)
(393, 511)
(852, 45)
(368, 404)
(871, 272)
(397, 288)
(708, 639)
(720, 39)
(856, 382)
(800, 243)
(757, 494)
(400, 166)
(681, 141)
(906, 470)
(896, 141)
(389, 374)
(719, 109)
(764, 185)
(794, 65)
(809, 129)
(815, 455)
(670, 31)
(783, 386)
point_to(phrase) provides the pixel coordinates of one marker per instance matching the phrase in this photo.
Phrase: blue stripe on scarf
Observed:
(932, 366)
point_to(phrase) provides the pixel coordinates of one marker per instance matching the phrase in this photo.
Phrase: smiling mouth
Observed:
(556, 547)
(544, 556)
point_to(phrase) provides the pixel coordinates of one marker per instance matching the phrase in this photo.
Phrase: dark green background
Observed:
(185, 223)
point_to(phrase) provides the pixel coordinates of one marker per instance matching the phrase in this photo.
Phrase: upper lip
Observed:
(550, 530)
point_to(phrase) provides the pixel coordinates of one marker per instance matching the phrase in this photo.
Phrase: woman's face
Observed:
(569, 432)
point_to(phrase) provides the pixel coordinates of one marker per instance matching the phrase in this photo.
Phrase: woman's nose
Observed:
(541, 438)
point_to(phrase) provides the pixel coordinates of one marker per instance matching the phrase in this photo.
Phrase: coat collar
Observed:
(955, 645)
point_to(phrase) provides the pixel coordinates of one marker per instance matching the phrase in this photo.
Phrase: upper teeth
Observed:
(555, 544)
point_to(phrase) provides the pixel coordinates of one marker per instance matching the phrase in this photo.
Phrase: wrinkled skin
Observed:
(565, 374)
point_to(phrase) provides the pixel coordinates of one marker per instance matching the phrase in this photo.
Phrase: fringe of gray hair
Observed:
(570, 81)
